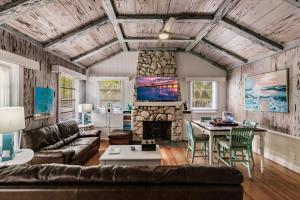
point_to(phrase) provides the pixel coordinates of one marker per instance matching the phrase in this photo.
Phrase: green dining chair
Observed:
(253, 125)
(194, 139)
(240, 140)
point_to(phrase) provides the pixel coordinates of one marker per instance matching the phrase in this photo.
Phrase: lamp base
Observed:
(7, 147)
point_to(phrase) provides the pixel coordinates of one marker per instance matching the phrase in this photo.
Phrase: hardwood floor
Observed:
(277, 183)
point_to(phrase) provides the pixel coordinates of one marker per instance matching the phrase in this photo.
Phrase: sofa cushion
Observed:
(70, 139)
(55, 146)
(92, 141)
(195, 174)
(41, 137)
(68, 128)
(80, 150)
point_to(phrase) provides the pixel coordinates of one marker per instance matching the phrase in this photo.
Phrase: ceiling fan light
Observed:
(163, 35)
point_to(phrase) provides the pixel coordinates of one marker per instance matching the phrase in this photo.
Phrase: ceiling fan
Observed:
(164, 32)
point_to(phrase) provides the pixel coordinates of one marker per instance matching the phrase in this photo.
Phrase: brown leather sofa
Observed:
(61, 143)
(114, 182)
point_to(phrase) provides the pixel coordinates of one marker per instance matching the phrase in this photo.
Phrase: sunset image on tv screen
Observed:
(157, 88)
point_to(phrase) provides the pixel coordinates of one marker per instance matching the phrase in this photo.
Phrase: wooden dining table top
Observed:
(210, 127)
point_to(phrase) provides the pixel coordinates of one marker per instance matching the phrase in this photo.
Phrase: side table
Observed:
(22, 157)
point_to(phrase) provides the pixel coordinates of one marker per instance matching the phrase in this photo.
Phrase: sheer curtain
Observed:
(4, 86)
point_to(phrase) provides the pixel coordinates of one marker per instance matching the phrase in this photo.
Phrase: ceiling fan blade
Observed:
(179, 36)
(168, 24)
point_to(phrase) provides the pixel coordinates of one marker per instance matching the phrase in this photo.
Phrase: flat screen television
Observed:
(157, 88)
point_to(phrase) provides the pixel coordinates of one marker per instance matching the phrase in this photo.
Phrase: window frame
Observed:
(214, 97)
(121, 93)
(74, 99)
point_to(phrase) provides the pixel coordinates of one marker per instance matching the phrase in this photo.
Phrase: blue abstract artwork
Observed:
(267, 92)
(44, 101)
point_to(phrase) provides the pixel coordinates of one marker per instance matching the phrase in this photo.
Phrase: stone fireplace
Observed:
(157, 63)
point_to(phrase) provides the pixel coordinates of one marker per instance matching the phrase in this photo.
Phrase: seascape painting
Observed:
(267, 92)
(157, 88)
(43, 101)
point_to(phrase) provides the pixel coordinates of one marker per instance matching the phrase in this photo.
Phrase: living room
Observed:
(131, 99)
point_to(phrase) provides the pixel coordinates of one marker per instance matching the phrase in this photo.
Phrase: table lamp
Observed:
(12, 119)
(84, 109)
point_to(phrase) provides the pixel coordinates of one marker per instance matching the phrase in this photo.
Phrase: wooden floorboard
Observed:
(277, 182)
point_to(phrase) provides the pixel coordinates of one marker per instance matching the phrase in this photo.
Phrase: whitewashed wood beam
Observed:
(294, 2)
(287, 46)
(209, 60)
(105, 59)
(224, 51)
(224, 8)
(94, 51)
(155, 49)
(77, 32)
(67, 59)
(123, 19)
(251, 35)
(145, 39)
(110, 12)
(16, 8)
(21, 35)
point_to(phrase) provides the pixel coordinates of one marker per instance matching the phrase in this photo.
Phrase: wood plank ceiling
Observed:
(227, 33)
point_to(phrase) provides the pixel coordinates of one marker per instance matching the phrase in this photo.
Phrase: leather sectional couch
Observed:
(70, 182)
(61, 143)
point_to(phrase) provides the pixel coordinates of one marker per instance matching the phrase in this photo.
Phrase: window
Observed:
(203, 95)
(67, 97)
(110, 91)
(4, 86)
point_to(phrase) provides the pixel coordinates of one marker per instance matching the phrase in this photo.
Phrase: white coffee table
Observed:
(131, 158)
(22, 157)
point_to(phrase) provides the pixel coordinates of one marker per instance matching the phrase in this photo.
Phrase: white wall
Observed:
(189, 65)
(125, 64)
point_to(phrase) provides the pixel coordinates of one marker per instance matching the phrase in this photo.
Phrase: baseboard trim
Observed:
(279, 161)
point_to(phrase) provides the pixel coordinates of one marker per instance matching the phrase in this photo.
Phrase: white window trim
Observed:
(122, 89)
(214, 97)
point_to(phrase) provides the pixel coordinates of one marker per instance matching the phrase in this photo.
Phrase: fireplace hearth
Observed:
(157, 130)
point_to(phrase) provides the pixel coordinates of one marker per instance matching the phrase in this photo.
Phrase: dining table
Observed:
(212, 131)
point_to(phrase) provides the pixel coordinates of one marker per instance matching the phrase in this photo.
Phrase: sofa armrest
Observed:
(65, 154)
(90, 133)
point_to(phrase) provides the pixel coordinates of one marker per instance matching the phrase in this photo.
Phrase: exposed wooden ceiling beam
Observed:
(143, 39)
(224, 51)
(209, 61)
(67, 59)
(21, 35)
(13, 9)
(105, 59)
(155, 49)
(251, 35)
(157, 18)
(224, 8)
(287, 46)
(294, 2)
(77, 32)
(110, 12)
(94, 51)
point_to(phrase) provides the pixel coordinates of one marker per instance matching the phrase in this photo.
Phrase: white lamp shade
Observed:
(85, 108)
(12, 119)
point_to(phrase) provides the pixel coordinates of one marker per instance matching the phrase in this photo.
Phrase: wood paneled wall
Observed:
(288, 123)
(33, 78)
